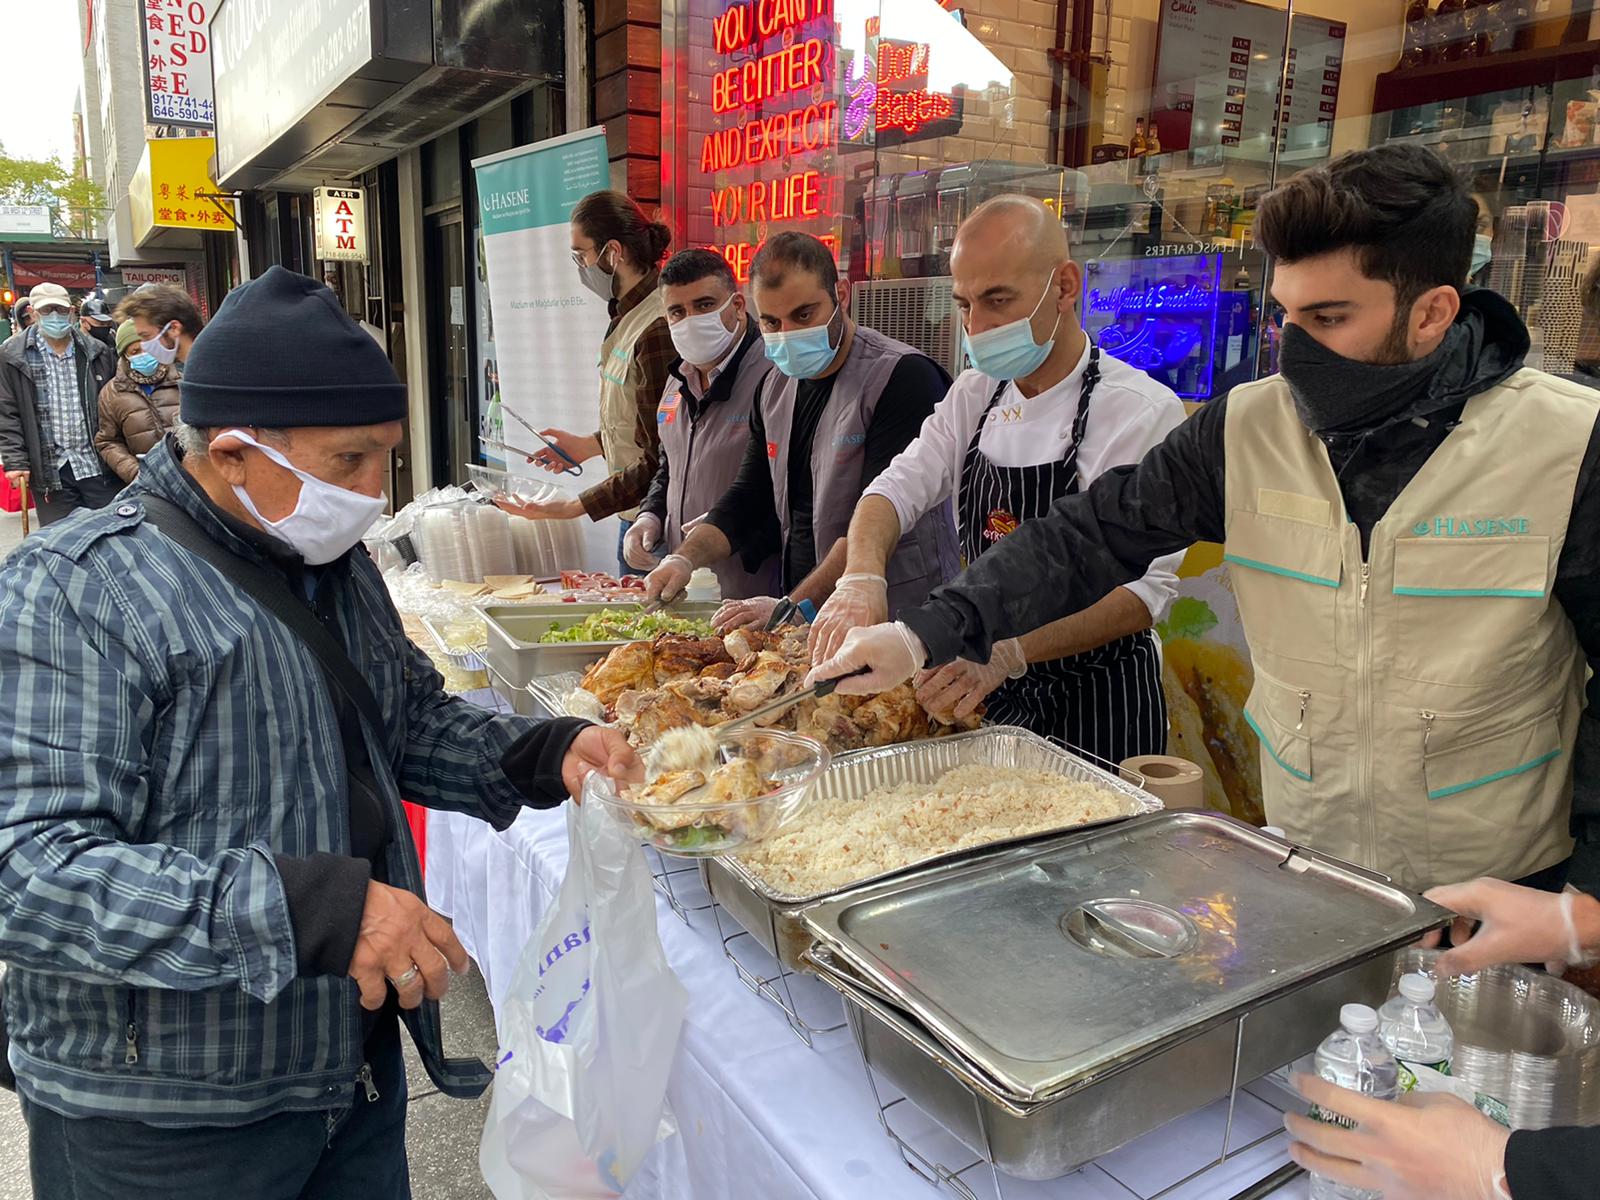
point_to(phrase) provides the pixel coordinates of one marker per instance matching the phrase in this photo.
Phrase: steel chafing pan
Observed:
(1051, 1001)
(771, 916)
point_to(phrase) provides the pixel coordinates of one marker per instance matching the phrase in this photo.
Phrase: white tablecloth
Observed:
(760, 1114)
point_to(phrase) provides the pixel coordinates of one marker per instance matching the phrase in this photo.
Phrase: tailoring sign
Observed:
(172, 188)
(341, 224)
(138, 276)
(177, 62)
(547, 326)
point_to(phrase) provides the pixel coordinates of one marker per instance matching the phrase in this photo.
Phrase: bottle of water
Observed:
(1354, 1057)
(1415, 1031)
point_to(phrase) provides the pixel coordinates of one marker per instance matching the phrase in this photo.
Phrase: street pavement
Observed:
(441, 1134)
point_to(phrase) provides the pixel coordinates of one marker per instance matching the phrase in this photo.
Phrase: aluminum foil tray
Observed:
(1523, 1037)
(768, 914)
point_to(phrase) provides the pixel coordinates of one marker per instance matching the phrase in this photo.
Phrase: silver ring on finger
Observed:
(406, 978)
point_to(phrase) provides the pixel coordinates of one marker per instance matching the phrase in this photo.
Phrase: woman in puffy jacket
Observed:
(137, 407)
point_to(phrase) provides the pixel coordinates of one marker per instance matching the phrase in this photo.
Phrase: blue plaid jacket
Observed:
(161, 738)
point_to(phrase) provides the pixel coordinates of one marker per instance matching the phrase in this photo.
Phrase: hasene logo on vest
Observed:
(772, 450)
(1470, 527)
(999, 524)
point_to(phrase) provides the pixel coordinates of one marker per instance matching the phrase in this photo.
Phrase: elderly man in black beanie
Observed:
(209, 904)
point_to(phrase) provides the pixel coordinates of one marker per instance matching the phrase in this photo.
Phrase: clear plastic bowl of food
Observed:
(698, 826)
(498, 484)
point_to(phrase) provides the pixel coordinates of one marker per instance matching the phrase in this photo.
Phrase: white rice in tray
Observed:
(845, 839)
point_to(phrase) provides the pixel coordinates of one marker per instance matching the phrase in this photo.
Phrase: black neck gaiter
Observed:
(1335, 394)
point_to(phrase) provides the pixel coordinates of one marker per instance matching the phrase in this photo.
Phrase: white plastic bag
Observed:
(588, 1031)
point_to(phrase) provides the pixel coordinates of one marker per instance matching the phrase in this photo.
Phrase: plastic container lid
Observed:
(1417, 987)
(1358, 1018)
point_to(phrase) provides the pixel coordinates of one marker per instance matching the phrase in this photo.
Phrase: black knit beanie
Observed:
(282, 353)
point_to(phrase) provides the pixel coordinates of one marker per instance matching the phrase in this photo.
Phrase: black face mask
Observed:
(1333, 393)
(104, 335)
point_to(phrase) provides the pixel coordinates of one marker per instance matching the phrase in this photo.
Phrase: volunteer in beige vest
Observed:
(1412, 525)
(617, 251)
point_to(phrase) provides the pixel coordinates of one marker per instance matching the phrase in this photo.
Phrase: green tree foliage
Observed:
(75, 201)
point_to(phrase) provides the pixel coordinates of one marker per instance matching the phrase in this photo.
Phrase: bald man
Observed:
(1040, 415)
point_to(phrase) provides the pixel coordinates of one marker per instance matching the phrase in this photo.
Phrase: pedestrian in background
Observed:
(95, 319)
(51, 376)
(21, 315)
(167, 320)
(137, 407)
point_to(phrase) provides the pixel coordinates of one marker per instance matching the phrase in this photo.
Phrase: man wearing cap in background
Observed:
(704, 418)
(167, 320)
(95, 319)
(209, 906)
(50, 379)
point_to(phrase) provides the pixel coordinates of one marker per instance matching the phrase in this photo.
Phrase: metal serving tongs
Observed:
(816, 691)
(572, 468)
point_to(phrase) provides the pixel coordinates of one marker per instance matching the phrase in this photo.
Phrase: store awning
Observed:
(321, 90)
(172, 194)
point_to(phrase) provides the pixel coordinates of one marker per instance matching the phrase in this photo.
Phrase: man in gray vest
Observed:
(704, 418)
(844, 402)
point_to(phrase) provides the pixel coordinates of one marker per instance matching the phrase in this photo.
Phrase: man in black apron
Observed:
(1042, 414)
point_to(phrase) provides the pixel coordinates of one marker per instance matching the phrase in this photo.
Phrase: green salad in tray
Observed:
(625, 627)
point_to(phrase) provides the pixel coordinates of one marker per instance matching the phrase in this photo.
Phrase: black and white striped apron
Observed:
(1108, 701)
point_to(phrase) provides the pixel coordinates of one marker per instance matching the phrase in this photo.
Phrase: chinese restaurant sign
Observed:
(170, 189)
(177, 62)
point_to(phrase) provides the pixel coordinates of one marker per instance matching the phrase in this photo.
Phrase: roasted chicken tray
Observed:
(672, 681)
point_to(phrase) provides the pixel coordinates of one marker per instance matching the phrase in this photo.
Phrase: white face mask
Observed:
(327, 520)
(159, 350)
(703, 339)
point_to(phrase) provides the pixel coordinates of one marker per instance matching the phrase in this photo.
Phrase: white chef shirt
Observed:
(1128, 414)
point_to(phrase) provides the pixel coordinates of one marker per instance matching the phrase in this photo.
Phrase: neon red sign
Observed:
(791, 69)
(802, 131)
(744, 23)
(798, 197)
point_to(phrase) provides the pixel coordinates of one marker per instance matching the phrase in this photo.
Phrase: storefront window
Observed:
(1153, 127)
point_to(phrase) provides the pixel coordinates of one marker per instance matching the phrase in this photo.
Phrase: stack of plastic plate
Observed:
(1524, 1037)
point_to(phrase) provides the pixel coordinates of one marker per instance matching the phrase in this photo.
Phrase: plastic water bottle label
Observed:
(1408, 1072)
(1318, 1113)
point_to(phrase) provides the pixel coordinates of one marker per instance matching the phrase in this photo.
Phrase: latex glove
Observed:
(669, 579)
(1513, 925)
(579, 447)
(642, 537)
(857, 600)
(955, 690)
(1423, 1147)
(893, 652)
(600, 749)
(741, 614)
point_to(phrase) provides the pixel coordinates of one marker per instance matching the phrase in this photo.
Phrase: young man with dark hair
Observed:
(166, 319)
(703, 419)
(844, 401)
(1413, 523)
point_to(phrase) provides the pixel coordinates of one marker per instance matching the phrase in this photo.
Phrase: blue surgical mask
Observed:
(144, 364)
(1008, 351)
(804, 353)
(55, 325)
(1482, 252)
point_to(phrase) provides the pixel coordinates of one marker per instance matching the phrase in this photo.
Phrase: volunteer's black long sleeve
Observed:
(1107, 536)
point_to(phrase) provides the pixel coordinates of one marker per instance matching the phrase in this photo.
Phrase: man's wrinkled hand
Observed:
(399, 932)
(600, 749)
(954, 691)
(1499, 923)
(666, 582)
